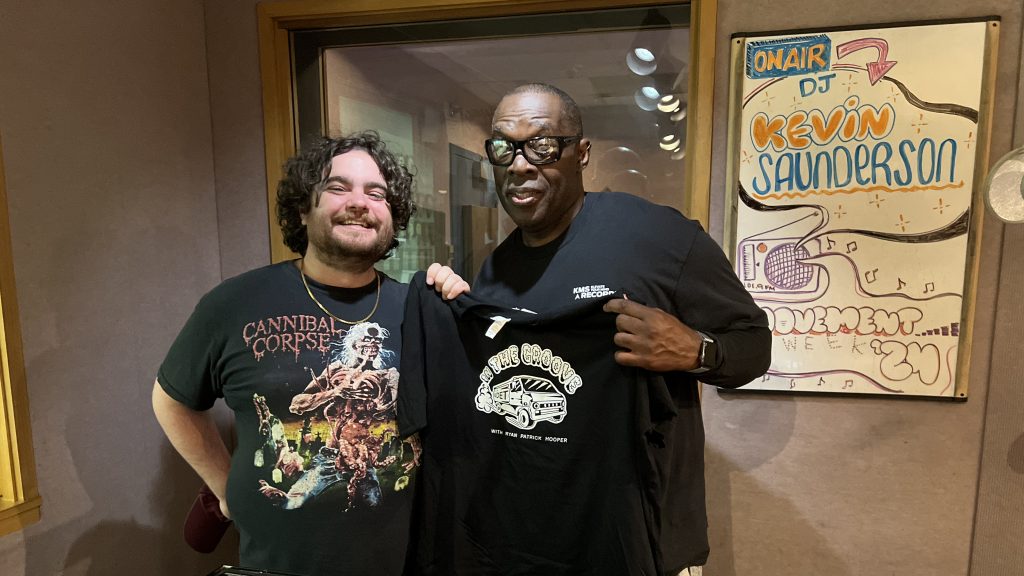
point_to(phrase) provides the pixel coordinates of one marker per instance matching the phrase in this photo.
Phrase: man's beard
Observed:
(336, 251)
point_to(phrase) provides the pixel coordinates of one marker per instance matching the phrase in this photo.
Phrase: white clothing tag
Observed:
(498, 322)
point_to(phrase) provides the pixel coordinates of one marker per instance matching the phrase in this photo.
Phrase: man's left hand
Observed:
(445, 281)
(652, 338)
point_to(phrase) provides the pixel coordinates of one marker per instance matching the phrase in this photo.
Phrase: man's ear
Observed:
(584, 154)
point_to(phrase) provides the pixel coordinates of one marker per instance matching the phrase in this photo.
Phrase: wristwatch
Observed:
(708, 354)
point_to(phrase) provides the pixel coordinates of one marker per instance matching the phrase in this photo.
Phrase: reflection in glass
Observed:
(431, 100)
(641, 61)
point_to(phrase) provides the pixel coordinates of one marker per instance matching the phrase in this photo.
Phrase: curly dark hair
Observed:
(306, 173)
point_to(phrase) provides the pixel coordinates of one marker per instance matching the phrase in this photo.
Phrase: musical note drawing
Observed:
(851, 247)
(871, 275)
(847, 384)
(765, 377)
(831, 242)
(821, 381)
(792, 383)
(929, 287)
(901, 283)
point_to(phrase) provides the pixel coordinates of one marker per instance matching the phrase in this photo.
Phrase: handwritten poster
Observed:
(855, 214)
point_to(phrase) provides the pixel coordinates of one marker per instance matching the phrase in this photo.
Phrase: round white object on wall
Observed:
(1004, 187)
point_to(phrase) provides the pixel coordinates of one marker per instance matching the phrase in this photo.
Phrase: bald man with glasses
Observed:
(681, 317)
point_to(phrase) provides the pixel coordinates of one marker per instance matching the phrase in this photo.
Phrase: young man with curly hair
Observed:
(319, 480)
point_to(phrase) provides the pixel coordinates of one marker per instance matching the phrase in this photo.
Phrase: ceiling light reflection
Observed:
(668, 103)
(671, 144)
(641, 61)
(647, 98)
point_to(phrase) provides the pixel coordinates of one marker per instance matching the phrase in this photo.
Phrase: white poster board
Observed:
(855, 222)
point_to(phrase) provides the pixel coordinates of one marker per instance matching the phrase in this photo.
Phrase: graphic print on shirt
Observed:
(510, 386)
(339, 432)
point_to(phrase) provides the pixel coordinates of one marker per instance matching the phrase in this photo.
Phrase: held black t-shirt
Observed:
(535, 441)
(320, 482)
(658, 257)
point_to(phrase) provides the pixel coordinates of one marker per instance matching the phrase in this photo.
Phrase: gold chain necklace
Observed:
(328, 312)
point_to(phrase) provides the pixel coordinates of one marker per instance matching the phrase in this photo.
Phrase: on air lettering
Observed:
(788, 57)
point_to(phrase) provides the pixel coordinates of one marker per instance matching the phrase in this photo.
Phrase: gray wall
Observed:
(134, 151)
(105, 118)
(849, 486)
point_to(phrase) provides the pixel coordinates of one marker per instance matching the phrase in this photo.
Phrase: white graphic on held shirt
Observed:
(592, 291)
(526, 399)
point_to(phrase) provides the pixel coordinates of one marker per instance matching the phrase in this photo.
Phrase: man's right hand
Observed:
(195, 436)
(445, 281)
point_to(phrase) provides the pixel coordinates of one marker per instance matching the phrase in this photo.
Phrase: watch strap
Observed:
(705, 356)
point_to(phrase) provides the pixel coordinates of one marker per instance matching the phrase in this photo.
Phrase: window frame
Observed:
(19, 495)
(277, 19)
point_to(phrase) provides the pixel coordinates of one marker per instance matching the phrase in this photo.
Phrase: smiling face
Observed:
(352, 220)
(541, 200)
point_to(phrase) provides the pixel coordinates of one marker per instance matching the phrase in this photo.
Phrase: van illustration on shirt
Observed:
(524, 400)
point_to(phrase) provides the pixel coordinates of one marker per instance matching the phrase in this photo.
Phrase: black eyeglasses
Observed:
(538, 151)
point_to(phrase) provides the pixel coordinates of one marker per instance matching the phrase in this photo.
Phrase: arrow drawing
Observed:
(875, 69)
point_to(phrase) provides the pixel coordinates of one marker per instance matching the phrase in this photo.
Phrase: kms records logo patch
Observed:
(592, 291)
(506, 389)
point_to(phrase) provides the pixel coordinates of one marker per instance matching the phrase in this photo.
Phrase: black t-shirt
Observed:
(320, 481)
(535, 441)
(653, 254)
(658, 257)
